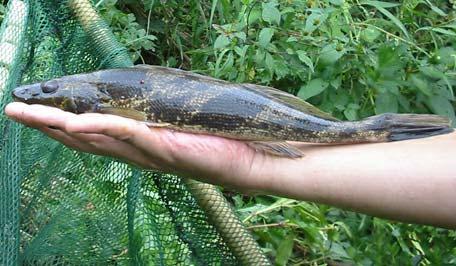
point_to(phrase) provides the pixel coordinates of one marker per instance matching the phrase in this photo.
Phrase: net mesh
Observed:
(62, 207)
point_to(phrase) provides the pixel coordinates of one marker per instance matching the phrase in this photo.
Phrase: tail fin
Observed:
(412, 126)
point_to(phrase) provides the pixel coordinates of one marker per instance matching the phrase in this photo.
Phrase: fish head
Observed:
(69, 94)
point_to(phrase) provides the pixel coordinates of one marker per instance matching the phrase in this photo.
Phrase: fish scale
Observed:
(262, 116)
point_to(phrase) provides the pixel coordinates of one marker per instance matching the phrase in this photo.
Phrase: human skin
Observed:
(411, 181)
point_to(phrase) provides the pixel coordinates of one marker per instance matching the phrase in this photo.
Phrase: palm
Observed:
(200, 156)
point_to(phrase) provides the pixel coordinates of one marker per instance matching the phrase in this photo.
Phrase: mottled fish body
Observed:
(185, 101)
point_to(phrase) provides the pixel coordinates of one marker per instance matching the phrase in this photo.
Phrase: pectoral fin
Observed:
(154, 124)
(128, 113)
(281, 149)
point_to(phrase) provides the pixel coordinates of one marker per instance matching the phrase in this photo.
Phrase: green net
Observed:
(62, 207)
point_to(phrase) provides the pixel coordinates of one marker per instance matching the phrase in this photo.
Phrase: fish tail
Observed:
(410, 126)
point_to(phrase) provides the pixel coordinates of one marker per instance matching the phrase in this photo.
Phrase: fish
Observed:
(266, 118)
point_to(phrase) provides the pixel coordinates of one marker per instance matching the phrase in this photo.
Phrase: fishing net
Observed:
(62, 207)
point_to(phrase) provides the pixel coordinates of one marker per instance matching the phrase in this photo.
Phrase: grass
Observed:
(350, 58)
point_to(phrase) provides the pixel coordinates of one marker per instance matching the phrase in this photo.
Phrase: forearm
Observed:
(413, 181)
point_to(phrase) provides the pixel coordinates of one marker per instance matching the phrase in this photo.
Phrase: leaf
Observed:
(337, 2)
(302, 55)
(213, 8)
(241, 35)
(314, 87)
(259, 56)
(432, 72)
(436, 9)
(369, 34)
(285, 249)
(338, 251)
(444, 31)
(442, 106)
(227, 65)
(270, 13)
(439, 30)
(381, 7)
(314, 21)
(351, 112)
(265, 37)
(380, 4)
(270, 62)
(221, 42)
(389, 62)
(404, 102)
(421, 84)
(450, 25)
(436, 74)
(386, 103)
(329, 55)
(447, 56)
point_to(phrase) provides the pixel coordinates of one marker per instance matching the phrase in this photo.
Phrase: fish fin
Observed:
(411, 126)
(124, 112)
(156, 124)
(281, 149)
(290, 100)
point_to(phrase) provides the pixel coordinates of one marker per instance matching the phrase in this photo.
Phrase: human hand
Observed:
(209, 158)
(410, 181)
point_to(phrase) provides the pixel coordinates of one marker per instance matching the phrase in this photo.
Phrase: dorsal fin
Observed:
(290, 100)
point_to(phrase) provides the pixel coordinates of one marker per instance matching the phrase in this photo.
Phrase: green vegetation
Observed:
(350, 58)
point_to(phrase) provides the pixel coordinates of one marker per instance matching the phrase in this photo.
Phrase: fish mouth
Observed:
(25, 93)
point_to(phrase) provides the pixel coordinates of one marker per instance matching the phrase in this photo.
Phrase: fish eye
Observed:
(49, 86)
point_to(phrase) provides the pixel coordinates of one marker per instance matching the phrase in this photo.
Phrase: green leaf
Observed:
(302, 55)
(421, 84)
(259, 56)
(442, 106)
(221, 42)
(337, 2)
(439, 30)
(404, 102)
(314, 21)
(329, 55)
(338, 251)
(436, 9)
(444, 31)
(369, 34)
(447, 56)
(380, 4)
(270, 13)
(432, 72)
(381, 7)
(285, 249)
(265, 37)
(270, 62)
(314, 87)
(386, 103)
(351, 112)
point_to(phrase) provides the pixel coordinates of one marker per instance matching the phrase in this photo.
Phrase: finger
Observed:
(101, 145)
(115, 126)
(124, 129)
(37, 116)
(66, 139)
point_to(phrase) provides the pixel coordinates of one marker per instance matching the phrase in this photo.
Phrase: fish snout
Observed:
(25, 93)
